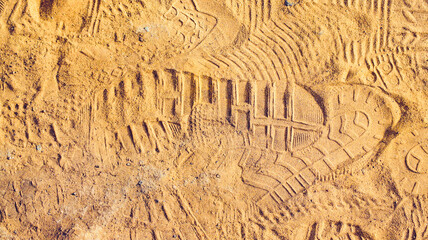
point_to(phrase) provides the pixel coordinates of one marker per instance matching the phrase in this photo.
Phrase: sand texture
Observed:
(214, 119)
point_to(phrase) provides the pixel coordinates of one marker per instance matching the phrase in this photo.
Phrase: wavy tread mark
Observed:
(258, 75)
(296, 40)
(294, 54)
(237, 66)
(271, 68)
(305, 36)
(304, 47)
(321, 10)
(285, 52)
(218, 62)
(278, 67)
(256, 58)
(308, 9)
(277, 57)
(232, 63)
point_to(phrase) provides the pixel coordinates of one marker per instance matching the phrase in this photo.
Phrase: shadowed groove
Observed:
(2, 5)
(253, 16)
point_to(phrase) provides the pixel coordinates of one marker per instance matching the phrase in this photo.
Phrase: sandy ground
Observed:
(201, 119)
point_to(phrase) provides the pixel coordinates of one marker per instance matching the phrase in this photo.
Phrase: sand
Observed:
(201, 119)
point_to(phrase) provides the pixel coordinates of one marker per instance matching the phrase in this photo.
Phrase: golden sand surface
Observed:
(214, 119)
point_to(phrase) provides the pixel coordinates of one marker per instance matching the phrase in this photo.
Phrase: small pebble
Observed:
(128, 164)
(217, 175)
(140, 182)
(39, 148)
(288, 4)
